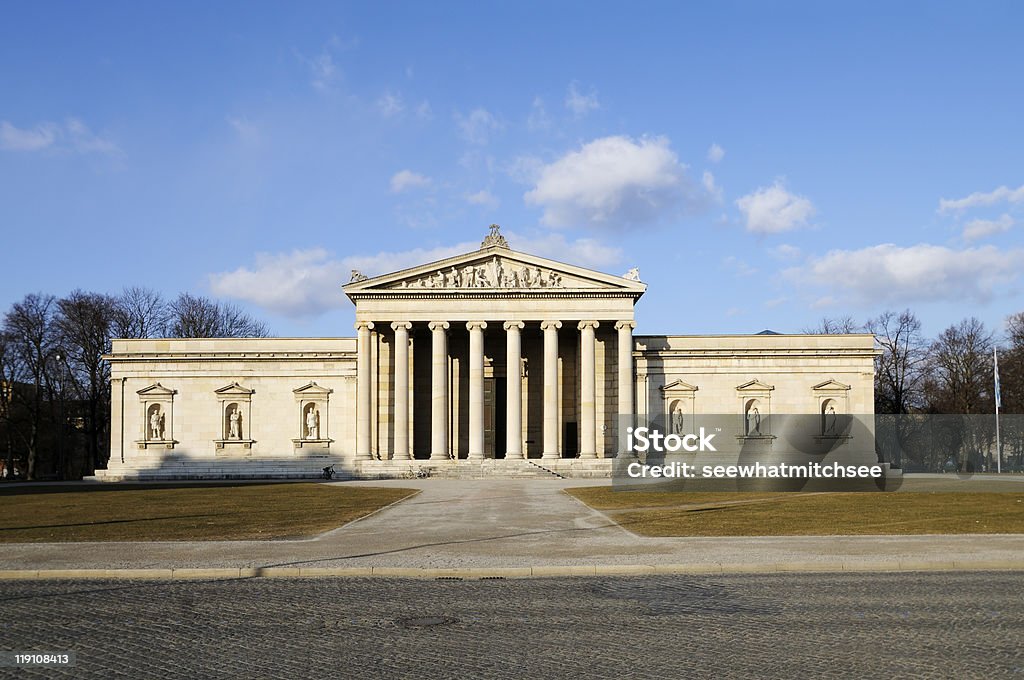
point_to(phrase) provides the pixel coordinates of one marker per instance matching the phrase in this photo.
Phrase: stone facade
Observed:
(492, 354)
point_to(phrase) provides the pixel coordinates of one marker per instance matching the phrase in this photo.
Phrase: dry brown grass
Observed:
(139, 512)
(805, 514)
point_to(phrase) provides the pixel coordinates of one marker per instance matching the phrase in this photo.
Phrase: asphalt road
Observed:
(784, 625)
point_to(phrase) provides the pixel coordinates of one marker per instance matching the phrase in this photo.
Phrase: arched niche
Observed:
(156, 416)
(235, 417)
(755, 399)
(679, 399)
(313, 430)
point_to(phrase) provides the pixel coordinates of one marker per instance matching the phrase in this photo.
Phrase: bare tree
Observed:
(961, 369)
(836, 326)
(85, 321)
(11, 376)
(32, 337)
(194, 316)
(899, 371)
(140, 313)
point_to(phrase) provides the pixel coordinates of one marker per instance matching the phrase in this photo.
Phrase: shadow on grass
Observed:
(29, 488)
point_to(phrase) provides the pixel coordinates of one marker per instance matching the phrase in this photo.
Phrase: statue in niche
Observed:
(499, 273)
(235, 424)
(753, 422)
(156, 425)
(312, 424)
(677, 421)
(830, 419)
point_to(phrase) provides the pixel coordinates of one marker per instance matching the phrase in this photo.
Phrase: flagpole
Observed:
(995, 367)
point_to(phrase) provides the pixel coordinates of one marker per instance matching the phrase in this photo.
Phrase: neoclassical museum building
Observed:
(489, 362)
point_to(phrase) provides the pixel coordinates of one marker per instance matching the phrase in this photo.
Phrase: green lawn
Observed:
(674, 513)
(140, 512)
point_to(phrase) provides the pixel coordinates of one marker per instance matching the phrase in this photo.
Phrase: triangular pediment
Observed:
(494, 270)
(234, 389)
(754, 386)
(156, 390)
(312, 389)
(831, 385)
(679, 386)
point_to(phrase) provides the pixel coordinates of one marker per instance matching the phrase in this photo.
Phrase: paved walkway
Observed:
(526, 527)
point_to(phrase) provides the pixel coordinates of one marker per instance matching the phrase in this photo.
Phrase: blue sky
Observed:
(764, 164)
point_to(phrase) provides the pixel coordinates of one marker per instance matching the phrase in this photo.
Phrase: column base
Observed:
(588, 454)
(548, 455)
(514, 456)
(475, 456)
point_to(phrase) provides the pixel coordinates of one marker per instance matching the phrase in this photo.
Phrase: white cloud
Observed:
(891, 274)
(738, 267)
(771, 210)
(784, 251)
(586, 252)
(307, 283)
(390, 104)
(299, 284)
(423, 110)
(580, 104)
(407, 179)
(614, 182)
(538, 118)
(979, 199)
(247, 131)
(484, 198)
(42, 136)
(715, 153)
(323, 71)
(73, 135)
(707, 180)
(976, 229)
(478, 126)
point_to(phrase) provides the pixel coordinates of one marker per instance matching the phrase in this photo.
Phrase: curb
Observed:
(551, 571)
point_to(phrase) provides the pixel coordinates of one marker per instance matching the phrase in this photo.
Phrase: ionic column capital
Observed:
(587, 324)
(438, 326)
(620, 325)
(476, 325)
(548, 325)
(395, 325)
(509, 325)
(364, 325)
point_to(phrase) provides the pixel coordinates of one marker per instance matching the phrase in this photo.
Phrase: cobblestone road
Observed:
(812, 625)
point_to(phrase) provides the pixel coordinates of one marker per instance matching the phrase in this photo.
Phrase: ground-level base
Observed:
(345, 468)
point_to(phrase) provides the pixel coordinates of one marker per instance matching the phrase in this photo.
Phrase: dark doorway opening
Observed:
(500, 415)
(570, 446)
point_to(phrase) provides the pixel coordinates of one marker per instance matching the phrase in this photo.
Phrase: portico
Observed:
(493, 354)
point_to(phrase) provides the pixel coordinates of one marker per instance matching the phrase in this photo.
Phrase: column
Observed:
(513, 390)
(401, 422)
(476, 389)
(588, 405)
(550, 445)
(626, 413)
(363, 392)
(439, 391)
